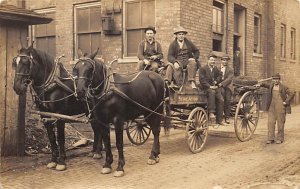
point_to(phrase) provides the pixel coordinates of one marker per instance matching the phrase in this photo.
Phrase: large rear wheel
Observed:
(197, 130)
(246, 116)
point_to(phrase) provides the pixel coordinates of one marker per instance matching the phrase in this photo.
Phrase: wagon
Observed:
(189, 106)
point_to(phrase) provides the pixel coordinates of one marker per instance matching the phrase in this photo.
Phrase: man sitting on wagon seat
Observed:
(149, 52)
(210, 76)
(182, 54)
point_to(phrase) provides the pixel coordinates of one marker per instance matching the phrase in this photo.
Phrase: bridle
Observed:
(28, 79)
(91, 62)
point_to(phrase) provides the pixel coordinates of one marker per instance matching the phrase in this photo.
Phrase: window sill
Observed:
(128, 60)
(282, 59)
(293, 61)
(259, 55)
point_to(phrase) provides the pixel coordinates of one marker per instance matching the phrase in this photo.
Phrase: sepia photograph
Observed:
(151, 94)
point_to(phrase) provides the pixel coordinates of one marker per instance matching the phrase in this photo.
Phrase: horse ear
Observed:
(92, 56)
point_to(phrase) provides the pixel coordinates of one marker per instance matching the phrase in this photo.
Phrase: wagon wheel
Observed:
(197, 129)
(138, 131)
(246, 116)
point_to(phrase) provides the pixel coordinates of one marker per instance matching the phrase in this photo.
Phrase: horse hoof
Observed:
(60, 167)
(106, 170)
(151, 162)
(51, 165)
(118, 173)
(157, 159)
(97, 156)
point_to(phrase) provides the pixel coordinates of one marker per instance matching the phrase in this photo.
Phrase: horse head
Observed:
(30, 67)
(23, 64)
(90, 75)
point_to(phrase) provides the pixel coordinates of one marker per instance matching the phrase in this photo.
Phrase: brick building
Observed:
(266, 31)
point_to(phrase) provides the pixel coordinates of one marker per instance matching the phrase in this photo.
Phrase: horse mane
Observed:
(44, 58)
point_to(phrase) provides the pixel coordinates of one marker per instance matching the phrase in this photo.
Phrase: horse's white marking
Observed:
(83, 63)
(18, 60)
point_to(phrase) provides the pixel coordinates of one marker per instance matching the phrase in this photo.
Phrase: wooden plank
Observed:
(2, 86)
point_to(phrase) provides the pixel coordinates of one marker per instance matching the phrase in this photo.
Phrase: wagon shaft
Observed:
(60, 116)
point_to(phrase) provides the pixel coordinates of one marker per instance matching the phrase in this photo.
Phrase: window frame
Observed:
(75, 34)
(258, 26)
(33, 28)
(140, 27)
(293, 44)
(282, 41)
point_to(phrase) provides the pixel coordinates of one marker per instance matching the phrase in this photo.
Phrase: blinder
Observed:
(16, 62)
(90, 61)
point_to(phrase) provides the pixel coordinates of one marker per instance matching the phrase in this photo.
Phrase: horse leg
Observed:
(154, 122)
(97, 145)
(105, 133)
(61, 164)
(119, 143)
(53, 145)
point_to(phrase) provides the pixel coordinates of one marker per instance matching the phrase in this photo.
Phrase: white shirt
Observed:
(180, 43)
(223, 69)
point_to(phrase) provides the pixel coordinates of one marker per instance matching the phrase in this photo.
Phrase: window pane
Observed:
(96, 42)
(51, 25)
(96, 19)
(133, 17)
(51, 46)
(83, 20)
(41, 44)
(134, 37)
(40, 30)
(148, 13)
(84, 43)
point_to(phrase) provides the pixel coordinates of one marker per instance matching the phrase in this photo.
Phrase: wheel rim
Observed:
(196, 130)
(246, 116)
(138, 132)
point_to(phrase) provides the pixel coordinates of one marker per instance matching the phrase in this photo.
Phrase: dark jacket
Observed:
(228, 76)
(193, 51)
(207, 77)
(146, 50)
(285, 93)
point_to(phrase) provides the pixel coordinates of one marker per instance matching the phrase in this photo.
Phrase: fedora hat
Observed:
(180, 29)
(276, 76)
(150, 28)
(225, 57)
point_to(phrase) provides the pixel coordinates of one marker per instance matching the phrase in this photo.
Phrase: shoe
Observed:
(279, 141)
(270, 141)
(220, 123)
(227, 121)
(193, 85)
(212, 116)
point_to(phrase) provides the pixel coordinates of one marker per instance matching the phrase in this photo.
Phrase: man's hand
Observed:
(176, 65)
(213, 87)
(285, 104)
(220, 85)
(147, 62)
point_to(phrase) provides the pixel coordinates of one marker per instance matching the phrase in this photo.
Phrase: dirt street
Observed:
(224, 163)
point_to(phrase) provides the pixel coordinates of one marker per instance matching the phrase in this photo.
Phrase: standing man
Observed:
(237, 61)
(278, 104)
(149, 52)
(226, 84)
(182, 54)
(210, 76)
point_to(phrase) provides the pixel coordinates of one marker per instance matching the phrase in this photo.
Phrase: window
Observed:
(217, 26)
(44, 34)
(87, 28)
(257, 34)
(293, 43)
(139, 14)
(282, 41)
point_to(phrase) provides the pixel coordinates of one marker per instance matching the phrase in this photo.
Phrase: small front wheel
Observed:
(197, 130)
(138, 131)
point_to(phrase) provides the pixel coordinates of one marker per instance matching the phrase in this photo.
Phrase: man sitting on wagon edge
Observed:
(182, 54)
(149, 52)
(210, 76)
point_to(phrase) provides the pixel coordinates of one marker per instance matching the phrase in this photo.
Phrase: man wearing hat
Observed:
(226, 84)
(182, 54)
(278, 105)
(210, 76)
(149, 52)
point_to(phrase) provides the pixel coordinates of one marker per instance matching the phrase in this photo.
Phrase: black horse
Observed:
(53, 91)
(115, 99)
